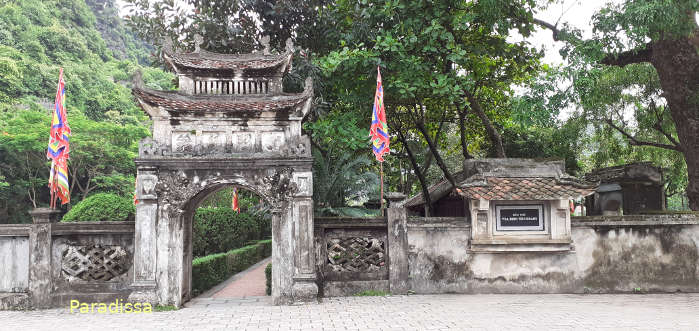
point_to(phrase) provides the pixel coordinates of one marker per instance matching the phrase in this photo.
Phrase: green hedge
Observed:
(268, 277)
(101, 207)
(221, 229)
(210, 270)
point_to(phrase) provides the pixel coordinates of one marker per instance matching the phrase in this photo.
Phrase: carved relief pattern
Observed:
(243, 142)
(94, 262)
(175, 188)
(213, 142)
(182, 142)
(272, 141)
(356, 254)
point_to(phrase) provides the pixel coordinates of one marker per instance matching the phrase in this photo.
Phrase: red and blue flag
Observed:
(59, 146)
(379, 129)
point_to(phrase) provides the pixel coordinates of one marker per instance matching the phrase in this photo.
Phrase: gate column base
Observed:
(144, 293)
(305, 290)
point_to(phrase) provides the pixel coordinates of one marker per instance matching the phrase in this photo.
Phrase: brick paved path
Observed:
(415, 312)
(250, 282)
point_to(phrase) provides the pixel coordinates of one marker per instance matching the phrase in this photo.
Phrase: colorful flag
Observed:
(135, 187)
(379, 129)
(59, 147)
(234, 203)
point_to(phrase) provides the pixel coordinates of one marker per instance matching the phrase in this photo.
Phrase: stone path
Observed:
(414, 312)
(248, 283)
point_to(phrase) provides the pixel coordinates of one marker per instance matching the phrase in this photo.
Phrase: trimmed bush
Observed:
(210, 270)
(221, 229)
(268, 277)
(101, 207)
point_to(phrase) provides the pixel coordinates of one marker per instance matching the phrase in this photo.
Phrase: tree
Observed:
(654, 46)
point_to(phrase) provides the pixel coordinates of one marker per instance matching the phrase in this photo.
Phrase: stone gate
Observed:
(229, 124)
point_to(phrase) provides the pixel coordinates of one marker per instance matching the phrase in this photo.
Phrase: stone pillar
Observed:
(479, 219)
(282, 256)
(145, 238)
(397, 219)
(40, 282)
(305, 289)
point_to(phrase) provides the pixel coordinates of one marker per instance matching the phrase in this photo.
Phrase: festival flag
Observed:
(379, 129)
(234, 203)
(135, 186)
(59, 147)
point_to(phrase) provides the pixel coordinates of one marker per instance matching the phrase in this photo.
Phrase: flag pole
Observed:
(381, 196)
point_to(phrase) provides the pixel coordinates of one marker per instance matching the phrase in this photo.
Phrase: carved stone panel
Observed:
(356, 255)
(146, 186)
(94, 262)
(212, 142)
(243, 142)
(272, 141)
(183, 142)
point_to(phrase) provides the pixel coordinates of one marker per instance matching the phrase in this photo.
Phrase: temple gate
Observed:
(229, 124)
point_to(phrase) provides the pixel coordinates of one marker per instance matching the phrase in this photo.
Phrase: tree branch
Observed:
(553, 28)
(635, 142)
(629, 57)
(489, 128)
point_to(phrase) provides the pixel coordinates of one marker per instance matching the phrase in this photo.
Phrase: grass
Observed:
(160, 308)
(372, 293)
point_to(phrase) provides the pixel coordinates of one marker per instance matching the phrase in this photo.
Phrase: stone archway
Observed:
(229, 124)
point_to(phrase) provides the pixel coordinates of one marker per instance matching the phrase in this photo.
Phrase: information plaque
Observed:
(520, 218)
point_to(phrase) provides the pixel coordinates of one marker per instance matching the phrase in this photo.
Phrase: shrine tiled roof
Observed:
(203, 60)
(527, 188)
(174, 101)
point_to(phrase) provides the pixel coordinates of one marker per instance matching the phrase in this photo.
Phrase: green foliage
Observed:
(38, 38)
(268, 279)
(161, 308)
(222, 229)
(101, 207)
(211, 270)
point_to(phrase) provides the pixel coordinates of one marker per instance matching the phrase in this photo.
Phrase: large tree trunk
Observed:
(420, 176)
(677, 64)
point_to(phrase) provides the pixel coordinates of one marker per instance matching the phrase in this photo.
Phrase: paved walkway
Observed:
(248, 283)
(415, 312)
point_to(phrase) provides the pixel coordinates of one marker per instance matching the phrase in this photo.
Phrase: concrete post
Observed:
(397, 219)
(145, 239)
(40, 282)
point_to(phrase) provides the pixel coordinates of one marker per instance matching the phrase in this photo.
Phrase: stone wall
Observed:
(14, 257)
(47, 264)
(656, 253)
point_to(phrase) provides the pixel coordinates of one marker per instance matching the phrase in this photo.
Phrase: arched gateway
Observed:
(229, 124)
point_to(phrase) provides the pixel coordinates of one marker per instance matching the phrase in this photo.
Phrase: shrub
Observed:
(211, 270)
(101, 207)
(268, 277)
(221, 229)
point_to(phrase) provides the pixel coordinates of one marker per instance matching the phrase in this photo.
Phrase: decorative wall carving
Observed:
(272, 141)
(176, 188)
(356, 254)
(94, 262)
(243, 142)
(213, 142)
(182, 142)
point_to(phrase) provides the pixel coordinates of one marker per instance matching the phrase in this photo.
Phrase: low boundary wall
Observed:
(47, 264)
(646, 253)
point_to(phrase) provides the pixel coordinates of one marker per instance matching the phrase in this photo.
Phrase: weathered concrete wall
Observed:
(630, 253)
(610, 254)
(110, 244)
(14, 258)
(47, 264)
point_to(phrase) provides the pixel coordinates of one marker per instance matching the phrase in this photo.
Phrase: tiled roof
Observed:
(214, 61)
(537, 188)
(178, 102)
(437, 191)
